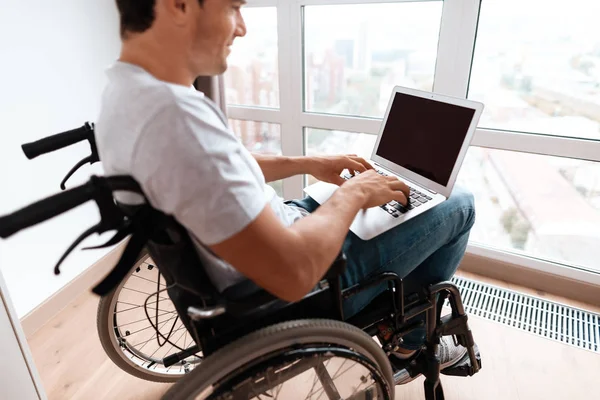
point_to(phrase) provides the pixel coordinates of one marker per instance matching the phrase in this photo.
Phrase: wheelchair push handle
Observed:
(58, 141)
(99, 189)
(44, 210)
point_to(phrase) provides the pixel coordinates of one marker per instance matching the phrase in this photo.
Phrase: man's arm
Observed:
(324, 168)
(275, 168)
(289, 261)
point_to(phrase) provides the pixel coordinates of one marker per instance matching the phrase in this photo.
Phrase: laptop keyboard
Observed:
(395, 209)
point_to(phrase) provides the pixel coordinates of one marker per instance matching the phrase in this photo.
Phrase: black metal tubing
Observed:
(335, 287)
(418, 309)
(180, 356)
(454, 292)
(391, 277)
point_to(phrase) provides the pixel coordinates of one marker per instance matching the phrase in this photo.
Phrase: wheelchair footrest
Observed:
(463, 367)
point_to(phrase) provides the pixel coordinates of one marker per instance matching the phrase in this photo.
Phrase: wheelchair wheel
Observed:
(127, 335)
(305, 359)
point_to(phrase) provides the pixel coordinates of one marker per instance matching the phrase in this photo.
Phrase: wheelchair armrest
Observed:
(242, 290)
(337, 268)
(333, 278)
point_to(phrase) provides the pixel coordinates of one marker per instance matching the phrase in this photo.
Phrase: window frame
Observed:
(456, 48)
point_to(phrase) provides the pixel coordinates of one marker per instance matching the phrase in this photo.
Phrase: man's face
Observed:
(216, 25)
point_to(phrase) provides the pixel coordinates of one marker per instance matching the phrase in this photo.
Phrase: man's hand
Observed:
(329, 168)
(378, 190)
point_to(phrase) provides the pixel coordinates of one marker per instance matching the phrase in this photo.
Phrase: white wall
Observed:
(53, 57)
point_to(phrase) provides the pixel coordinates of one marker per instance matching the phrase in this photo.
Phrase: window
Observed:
(252, 77)
(534, 64)
(545, 207)
(355, 54)
(323, 142)
(537, 67)
(260, 138)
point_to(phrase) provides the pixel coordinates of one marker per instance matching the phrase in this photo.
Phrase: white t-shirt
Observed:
(176, 143)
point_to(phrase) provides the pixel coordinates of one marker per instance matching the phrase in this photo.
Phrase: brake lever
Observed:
(120, 235)
(111, 218)
(92, 158)
(73, 170)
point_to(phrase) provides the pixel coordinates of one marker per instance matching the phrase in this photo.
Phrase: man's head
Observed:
(190, 36)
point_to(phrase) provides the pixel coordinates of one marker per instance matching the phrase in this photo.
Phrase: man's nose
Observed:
(240, 30)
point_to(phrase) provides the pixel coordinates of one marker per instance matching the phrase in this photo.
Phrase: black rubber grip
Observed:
(182, 355)
(56, 142)
(45, 209)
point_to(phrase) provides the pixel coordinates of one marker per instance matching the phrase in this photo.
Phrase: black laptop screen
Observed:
(425, 136)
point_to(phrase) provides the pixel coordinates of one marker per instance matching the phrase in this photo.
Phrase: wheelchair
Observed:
(254, 345)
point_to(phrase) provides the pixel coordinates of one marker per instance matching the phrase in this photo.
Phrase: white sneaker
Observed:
(448, 352)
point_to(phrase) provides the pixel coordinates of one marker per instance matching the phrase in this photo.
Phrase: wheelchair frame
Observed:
(222, 318)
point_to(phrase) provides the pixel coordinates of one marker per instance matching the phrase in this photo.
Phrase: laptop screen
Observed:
(425, 136)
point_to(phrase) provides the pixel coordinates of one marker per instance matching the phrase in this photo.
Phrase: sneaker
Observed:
(449, 353)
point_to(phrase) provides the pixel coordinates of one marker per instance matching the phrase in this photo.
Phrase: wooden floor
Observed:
(516, 365)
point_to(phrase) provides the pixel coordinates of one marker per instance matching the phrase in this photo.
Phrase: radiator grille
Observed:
(551, 320)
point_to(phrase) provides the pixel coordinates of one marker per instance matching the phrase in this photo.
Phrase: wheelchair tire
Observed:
(217, 372)
(107, 333)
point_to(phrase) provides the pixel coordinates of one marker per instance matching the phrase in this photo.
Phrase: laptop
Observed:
(423, 141)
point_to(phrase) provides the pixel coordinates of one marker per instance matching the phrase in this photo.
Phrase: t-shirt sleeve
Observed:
(191, 167)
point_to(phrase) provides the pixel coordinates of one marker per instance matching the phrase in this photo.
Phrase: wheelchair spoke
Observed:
(147, 293)
(146, 279)
(168, 369)
(175, 344)
(271, 383)
(336, 375)
(344, 371)
(150, 327)
(278, 391)
(278, 377)
(153, 338)
(141, 320)
(316, 378)
(158, 348)
(134, 306)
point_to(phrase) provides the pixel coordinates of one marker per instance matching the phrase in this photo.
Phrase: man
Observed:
(176, 144)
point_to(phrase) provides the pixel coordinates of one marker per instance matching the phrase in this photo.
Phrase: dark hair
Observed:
(137, 16)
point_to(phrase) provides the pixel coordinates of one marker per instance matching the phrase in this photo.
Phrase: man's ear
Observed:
(177, 10)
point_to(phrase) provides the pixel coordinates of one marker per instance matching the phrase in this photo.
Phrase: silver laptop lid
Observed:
(425, 137)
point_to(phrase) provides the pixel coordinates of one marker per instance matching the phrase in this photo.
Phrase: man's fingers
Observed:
(356, 166)
(401, 198)
(338, 180)
(364, 162)
(398, 185)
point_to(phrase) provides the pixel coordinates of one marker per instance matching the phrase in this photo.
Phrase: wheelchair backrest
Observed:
(173, 252)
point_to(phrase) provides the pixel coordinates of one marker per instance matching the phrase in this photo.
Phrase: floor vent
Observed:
(551, 320)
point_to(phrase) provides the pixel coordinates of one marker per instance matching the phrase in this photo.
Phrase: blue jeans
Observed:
(424, 250)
